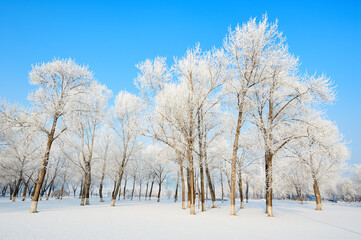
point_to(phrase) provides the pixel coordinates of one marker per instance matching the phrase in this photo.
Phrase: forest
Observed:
(241, 121)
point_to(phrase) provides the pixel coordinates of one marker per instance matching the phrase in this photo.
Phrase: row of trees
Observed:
(242, 114)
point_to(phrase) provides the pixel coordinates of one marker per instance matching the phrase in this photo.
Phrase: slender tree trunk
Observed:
(120, 190)
(117, 188)
(34, 202)
(188, 190)
(222, 187)
(159, 189)
(234, 160)
(183, 187)
(16, 190)
(125, 187)
(88, 183)
(299, 194)
(240, 189)
(103, 174)
(81, 188)
(33, 190)
(50, 188)
(201, 156)
(151, 189)
(140, 190)
(176, 192)
(268, 161)
(210, 186)
(146, 191)
(119, 180)
(101, 190)
(247, 187)
(62, 188)
(84, 189)
(131, 198)
(317, 194)
(24, 192)
(11, 191)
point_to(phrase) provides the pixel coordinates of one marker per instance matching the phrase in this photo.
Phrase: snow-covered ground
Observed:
(65, 219)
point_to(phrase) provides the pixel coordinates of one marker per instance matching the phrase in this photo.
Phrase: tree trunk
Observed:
(222, 187)
(159, 189)
(183, 187)
(240, 189)
(16, 190)
(50, 188)
(317, 194)
(62, 188)
(39, 184)
(131, 198)
(188, 190)
(120, 190)
(201, 155)
(125, 187)
(81, 188)
(247, 187)
(176, 192)
(119, 181)
(268, 163)
(146, 191)
(24, 192)
(88, 183)
(299, 194)
(103, 174)
(101, 190)
(115, 194)
(151, 189)
(210, 186)
(140, 190)
(84, 189)
(234, 162)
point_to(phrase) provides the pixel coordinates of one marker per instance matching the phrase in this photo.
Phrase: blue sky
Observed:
(112, 36)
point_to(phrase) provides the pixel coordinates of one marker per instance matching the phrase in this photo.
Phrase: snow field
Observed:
(166, 220)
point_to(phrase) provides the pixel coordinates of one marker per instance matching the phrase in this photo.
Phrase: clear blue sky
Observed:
(112, 36)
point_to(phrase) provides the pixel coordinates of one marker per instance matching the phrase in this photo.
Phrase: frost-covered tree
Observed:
(322, 151)
(126, 123)
(59, 83)
(84, 125)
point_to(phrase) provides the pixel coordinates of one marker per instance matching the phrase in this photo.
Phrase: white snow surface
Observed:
(65, 219)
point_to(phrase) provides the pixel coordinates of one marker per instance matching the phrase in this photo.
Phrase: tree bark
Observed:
(35, 199)
(151, 189)
(103, 174)
(222, 187)
(119, 180)
(201, 155)
(247, 188)
(146, 191)
(176, 191)
(188, 190)
(16, 189)
(24, 191)
(240, 188)
(317, 194)
(234, 159)
(115, 194)
(159, 190)
(183, 186)
(125, 187)
(268, 169)
(88, 183)
(210, 186)
(50, 188)
(131, 198)
(62, 188)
